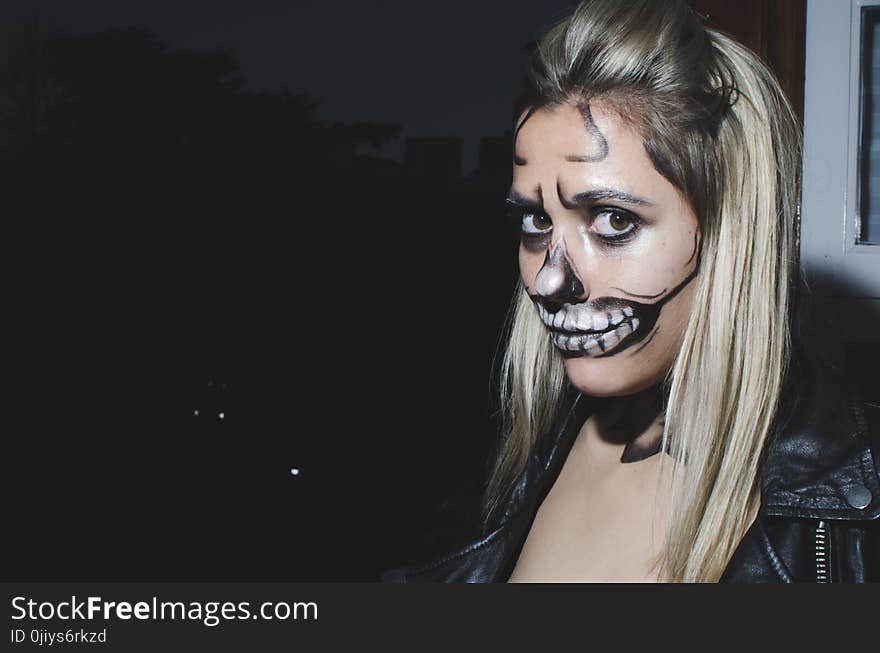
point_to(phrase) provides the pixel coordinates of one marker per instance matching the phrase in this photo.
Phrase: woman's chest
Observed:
(595, 527)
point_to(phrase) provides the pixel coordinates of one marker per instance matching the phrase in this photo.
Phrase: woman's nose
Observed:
(557, 282)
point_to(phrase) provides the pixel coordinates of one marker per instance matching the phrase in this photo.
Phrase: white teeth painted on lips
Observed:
(610, 339)
(593, 348)
(593, 333)
(592, 344)
(584, 321)
(570, 342)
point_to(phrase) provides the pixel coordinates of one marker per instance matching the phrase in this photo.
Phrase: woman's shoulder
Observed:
(820, 491)
(822, 458)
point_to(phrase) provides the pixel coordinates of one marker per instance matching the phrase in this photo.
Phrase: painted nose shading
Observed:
(557, 281)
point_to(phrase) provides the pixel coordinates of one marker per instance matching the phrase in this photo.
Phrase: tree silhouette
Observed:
(177, 225)
(28, 91)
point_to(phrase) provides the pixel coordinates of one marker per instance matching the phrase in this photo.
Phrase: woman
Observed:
(662, 423)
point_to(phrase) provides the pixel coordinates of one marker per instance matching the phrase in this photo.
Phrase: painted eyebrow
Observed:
(515, 198)
(588, 196)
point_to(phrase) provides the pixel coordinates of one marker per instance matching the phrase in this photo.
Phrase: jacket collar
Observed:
(820, 464)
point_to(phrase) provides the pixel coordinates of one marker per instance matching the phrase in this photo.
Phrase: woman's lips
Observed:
(580, 330)
(580, 319)
(595, 344)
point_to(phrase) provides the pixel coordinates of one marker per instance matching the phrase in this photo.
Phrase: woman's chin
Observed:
(610, 377)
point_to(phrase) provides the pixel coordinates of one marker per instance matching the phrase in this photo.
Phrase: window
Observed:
(840, 211)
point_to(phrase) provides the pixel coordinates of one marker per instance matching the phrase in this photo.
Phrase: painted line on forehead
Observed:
(599, 140)
(518, 160)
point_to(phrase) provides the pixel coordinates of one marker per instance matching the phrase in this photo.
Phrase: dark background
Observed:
(249, 238)
(256, 237)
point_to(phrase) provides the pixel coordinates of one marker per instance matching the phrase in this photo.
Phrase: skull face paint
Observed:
(605, 326)
(609, 247)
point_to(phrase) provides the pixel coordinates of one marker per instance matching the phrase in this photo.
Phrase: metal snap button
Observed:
(858, 496)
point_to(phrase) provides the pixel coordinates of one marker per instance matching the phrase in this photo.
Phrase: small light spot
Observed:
(222, 415)
(196, 412)
(294, 471)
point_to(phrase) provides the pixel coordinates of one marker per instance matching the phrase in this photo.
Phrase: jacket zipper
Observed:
(822, 537)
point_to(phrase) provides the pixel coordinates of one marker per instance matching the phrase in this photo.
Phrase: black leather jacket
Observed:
(820, 498)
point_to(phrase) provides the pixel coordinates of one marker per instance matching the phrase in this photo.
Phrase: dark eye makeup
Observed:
(610, 225)
(532, 224)
(614, 225)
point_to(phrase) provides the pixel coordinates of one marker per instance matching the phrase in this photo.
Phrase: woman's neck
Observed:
(636, 421)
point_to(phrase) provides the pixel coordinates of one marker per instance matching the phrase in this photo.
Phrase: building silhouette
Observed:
(434, 157)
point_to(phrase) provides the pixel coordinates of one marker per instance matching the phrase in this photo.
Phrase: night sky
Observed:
(450, 68)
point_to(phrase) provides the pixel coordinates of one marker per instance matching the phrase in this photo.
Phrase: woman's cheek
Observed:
(529, 265)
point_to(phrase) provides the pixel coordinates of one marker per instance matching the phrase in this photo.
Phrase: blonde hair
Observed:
(716, 124)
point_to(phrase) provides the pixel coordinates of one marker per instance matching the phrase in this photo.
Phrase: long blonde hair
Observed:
(716, 124)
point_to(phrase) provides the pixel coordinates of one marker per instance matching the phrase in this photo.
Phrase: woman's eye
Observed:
(535, 223)
(613, 224)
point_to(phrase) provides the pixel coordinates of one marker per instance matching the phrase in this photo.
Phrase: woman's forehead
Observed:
(571, 133)
(551, 130)
(580, 146)
(571, 149)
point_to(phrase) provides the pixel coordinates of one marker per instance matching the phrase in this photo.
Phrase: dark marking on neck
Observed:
(641, 448)
(632, 421)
